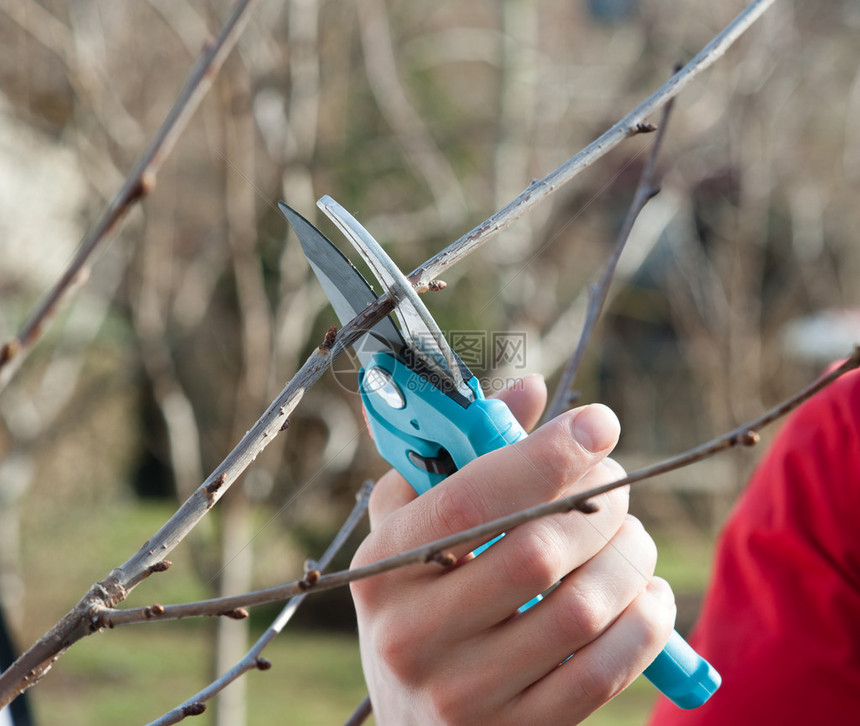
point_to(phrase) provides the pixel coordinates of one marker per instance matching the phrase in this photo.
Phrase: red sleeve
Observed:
(781, 619)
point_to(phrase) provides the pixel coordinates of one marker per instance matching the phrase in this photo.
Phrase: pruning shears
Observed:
(425, 409)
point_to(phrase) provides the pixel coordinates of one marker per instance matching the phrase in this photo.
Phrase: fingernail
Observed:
(596, 428)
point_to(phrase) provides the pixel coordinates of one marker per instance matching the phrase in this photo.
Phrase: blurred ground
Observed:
(133, 674)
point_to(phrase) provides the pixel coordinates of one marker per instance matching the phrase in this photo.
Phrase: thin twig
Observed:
(629, 126)
(745, 435)
(253, 659)
(139, 182)
(597, 293)
(361, 713)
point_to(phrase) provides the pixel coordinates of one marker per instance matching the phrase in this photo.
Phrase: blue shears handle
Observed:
(427, 435)
(419, 430)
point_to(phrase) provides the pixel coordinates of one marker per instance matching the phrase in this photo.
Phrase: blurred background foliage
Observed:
(423, 119)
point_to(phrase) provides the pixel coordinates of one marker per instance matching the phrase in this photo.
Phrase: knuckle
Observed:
(552, 459)
(452, 702)
(583, 616)
(560, 463)
(364, 591)
(654, 618)
(456, 508)
(603, 681)
(535, 561)
(372, 591)
(619, 499)
(364, 554)
(616, 503)
(614, 469)
(399, 650)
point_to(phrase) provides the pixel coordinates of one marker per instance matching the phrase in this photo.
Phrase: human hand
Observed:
(449, 646)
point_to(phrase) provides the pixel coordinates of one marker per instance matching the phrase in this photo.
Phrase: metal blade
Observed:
(419, 328)
(345, 286)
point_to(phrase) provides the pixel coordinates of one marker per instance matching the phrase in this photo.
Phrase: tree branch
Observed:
(253, 660)
(139, 182)
(597, 293)
(745, 435)
(361, 713)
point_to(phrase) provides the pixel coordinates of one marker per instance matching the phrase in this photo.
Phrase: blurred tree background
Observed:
(737, 286)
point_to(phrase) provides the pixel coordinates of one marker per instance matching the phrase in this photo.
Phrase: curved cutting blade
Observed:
(419, 329)
(345, 286)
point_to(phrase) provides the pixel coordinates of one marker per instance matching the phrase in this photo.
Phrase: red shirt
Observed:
(781, 620)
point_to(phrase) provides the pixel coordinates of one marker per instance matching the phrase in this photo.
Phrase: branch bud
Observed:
(645, 128)
(443, 559)
(311, 578)
(214, 486)
(748, 438)
(194, 709)
(236, 614)
(162, 566)
(328, 341)
(586, 507)
(9, 351)
(153, 611)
